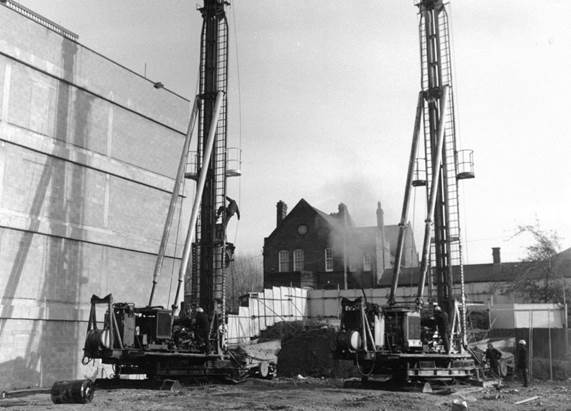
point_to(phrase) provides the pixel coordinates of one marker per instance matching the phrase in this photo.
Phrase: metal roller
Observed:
(72, 392)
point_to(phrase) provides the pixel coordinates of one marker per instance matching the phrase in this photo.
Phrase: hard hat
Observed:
(199, 310)
(437, 308)
(522, 342)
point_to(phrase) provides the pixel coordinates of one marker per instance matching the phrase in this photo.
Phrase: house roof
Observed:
(329, 219)
(333, 219)
(478, 273)
(336, 220)
(364, 236)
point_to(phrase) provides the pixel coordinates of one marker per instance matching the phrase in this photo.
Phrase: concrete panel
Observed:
(129, 278)
(44, 105)
(3, 74)
(22, 266)
(145, 144)
(55, 148)
(33, 44)
(42, 186)
(65, 199)
(38, 353)
(46, 284)
(88, 121)
(19, 101)
(136, 209)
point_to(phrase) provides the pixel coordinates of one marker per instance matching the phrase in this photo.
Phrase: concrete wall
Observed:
(88, 150)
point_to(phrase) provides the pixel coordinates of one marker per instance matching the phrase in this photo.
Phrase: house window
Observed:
(367, 266)
(328, 259)
(283, 261)
(297, 260)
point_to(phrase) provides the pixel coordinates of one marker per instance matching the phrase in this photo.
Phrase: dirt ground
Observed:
(307, 394)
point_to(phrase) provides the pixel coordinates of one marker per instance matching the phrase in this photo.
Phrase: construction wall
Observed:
(88, 150)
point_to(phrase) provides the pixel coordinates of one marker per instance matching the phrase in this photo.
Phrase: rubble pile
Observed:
(307, 351)
(287, 329)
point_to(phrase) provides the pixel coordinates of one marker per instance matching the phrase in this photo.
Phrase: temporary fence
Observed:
(264, 310)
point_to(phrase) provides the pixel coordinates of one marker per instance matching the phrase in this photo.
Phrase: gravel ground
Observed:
(307, 394)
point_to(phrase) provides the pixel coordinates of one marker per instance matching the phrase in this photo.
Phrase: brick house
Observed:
(310, 248)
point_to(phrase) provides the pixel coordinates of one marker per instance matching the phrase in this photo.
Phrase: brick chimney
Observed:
(281, 212)
(380, 216)
(385, 256)
(496, 258)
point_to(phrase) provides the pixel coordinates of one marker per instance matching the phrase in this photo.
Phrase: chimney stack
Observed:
(281, 212)
(496, 258)
(380, 216)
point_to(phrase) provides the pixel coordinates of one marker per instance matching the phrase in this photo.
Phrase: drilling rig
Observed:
(153, 340)
(423, 339)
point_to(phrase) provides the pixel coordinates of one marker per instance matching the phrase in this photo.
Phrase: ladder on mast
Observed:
(436, 77)
(207, 278)
(442, 261)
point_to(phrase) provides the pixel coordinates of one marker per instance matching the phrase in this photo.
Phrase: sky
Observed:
(322, 101)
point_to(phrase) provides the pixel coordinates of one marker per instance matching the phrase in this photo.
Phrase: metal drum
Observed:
(97, 340)
(72, 392)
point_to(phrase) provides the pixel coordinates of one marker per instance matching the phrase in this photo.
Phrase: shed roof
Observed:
(490, 273)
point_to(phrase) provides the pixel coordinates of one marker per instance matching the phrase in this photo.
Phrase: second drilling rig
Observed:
(423, 338)
(154, 340)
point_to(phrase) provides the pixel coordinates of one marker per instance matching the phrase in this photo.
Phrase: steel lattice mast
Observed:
(208, 265)
(444, 165)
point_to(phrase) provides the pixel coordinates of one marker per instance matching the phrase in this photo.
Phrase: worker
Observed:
(493, 356)
(441, 318)
(227, 212)
(202, 326)
(184, 318)
(522, 361)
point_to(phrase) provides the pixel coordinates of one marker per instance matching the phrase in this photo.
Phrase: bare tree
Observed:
(545, 246)
(245, 275)
(540, 255)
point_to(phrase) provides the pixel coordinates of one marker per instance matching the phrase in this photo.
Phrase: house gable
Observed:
(302, 213)
(321, 231)
(304, 228)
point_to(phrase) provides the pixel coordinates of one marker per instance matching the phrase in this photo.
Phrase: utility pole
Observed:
(345, 248)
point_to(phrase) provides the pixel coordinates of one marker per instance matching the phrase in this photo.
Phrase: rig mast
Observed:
(436, 80)
(439, 171)
(209, 250)
(153, 340)
(419, 340)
